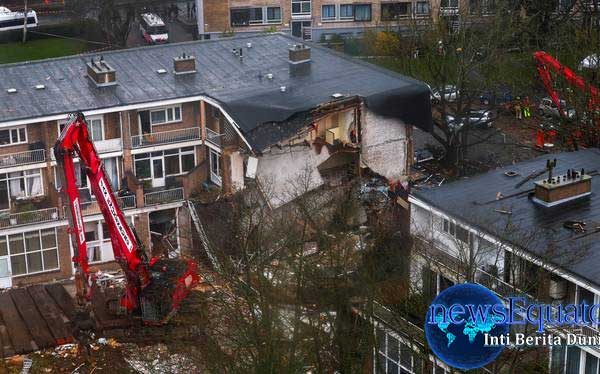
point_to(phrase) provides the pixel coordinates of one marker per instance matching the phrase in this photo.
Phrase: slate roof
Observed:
(536, 229)
(251, 100)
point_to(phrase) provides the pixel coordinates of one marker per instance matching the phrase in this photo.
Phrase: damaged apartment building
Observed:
(173, 121)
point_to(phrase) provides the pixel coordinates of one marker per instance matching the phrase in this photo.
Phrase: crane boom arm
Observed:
(547, 64)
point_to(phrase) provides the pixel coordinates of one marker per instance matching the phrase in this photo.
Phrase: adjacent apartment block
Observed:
(320, 19)
(536, 238)
(175, 121)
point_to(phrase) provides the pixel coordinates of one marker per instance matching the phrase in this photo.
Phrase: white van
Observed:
(153, 29)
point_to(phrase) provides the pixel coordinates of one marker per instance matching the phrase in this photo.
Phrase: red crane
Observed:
(156, 287)
(546, 65)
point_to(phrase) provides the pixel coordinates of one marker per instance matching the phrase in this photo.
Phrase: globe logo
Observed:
(475, 309)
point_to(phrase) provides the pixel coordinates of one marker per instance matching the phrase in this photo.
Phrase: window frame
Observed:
(301, 4)
(346, 18)
(166, 113)
(335, 12)
(395, 6)
(274, 20)
(17, 131)
(370, 6)
(421, 14)
(25, 176)
(451, 228)
(25, 252)
(149, 157)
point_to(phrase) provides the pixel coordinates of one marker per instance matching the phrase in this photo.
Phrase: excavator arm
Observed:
(155, 287)
(547, 64)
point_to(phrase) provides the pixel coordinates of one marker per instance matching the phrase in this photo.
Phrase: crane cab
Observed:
(153, 29)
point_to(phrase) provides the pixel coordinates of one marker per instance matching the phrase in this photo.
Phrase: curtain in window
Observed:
(16, 185)
(362, 12)
(110, 167)
(96, 129)
(34, 185)
(328, 11)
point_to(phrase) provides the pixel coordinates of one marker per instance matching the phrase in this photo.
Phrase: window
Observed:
(449, 4)
(32, 251)
(240, 17)
(111, 169)
(95, 127)
(256, 15)
(13, 136)
(421, 8)
(328, 12)
(22, 184)
(346, 11)
(394, 11)
(99, 245)
(165, 115)
(176, 162)
(362, 12)
(395, 356)
(273, 14)
(456, 231)
(300, 7)
(481, 6)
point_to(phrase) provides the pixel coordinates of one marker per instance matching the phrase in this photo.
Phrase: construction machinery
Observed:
(154, 288)
(547, 66)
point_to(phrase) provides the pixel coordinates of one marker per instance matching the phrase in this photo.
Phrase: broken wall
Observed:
(385, 145)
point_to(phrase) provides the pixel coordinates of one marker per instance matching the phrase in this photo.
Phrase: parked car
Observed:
(449, 92)
(495, 97)
(481, 119)
(153, 29)
(548, 108)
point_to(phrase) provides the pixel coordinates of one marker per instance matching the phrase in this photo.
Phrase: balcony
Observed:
(165, 137)
(214, 137)
(89, 208)
(23, 158)
(28, 218)
(109, 145)
(163, 197)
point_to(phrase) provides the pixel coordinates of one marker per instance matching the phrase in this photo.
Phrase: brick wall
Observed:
(185, 231)
(142, 229)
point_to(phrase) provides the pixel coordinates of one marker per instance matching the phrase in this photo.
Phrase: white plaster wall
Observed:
(237, 171)
(384, 146)
(286, 173)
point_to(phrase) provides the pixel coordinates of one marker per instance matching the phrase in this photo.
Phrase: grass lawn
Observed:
(39, 49)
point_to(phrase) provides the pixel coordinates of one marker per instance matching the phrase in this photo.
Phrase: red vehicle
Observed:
(548, 65)
(156, 287)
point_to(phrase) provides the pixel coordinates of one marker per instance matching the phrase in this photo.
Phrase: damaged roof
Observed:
(240, 85)
(515, 219)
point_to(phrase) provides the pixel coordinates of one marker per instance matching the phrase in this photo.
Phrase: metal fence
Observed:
(165, 196)
(23, 158)
(165, 137)
(27, 218)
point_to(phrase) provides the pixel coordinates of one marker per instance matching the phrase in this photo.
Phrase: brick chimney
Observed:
(101, 73)
(299, 59)
(560, 189)
(184, 64)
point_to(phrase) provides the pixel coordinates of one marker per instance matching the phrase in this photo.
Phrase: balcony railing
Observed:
(109, 145)
(91, 207)
(214, 137)
(22, 158)
(165, 196)
(28, 218)
(165, 137)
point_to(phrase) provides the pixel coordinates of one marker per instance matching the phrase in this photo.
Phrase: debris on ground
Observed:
(156, 359)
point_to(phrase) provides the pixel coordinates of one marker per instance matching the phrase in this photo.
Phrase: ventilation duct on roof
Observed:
(557, 190)
(101, 73)
(184, 64)
(299, 59)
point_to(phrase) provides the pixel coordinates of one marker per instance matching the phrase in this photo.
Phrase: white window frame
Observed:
(25, 176)
(99, 243)
(301, 13)
(180, 154)
(89, 120)
(335, 11)
(421, 14)
(346, 18)
(449, 227)
(273, 21)
(18, 132)
(165, 110)
(25, 252)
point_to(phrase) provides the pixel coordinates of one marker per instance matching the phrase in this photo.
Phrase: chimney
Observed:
(299, 59)
(101, 73)
(184, 64)
(560, 189)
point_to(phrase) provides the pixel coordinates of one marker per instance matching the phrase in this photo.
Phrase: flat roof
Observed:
(538, 230)
(240, 86)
